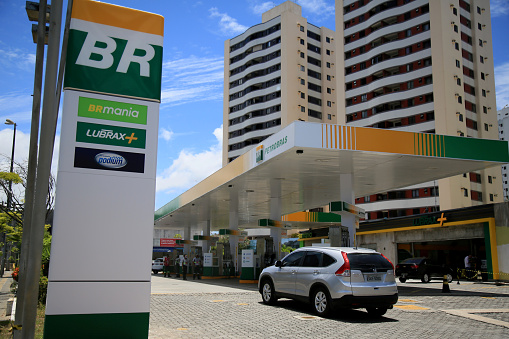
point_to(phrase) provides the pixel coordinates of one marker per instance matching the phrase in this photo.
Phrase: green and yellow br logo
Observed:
(114, 50)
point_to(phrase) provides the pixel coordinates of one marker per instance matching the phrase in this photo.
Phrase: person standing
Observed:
(185, 264)
(166, 266)
(468, 266)
(196, 267)
(177, 267)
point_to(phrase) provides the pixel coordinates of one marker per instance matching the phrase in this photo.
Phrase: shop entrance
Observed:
(450, 253)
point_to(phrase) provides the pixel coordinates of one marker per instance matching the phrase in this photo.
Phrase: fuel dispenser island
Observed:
(255, 260)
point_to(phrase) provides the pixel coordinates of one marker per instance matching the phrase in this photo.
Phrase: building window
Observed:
(410, 85)
(481, 58)
(491, 197)
(458, 81)
(302, 81)
(302, 95)
(479, 26)
(329, 91)
(460, 99)
(458, 64)
(456, 28)
(457, 46)
(329, 116)
(302, 28)
(460, 117)
(302, 41)
(364, 114)
(482, 76)
(328, 65)
(302, 55)
(327, 39)
(480, 42)
(328, 52)
(415, 193)
(465, 192)
(478, 10)
(490, 179)
(302, 109)
(364, 97)
(302, 68)
(454, 11)
(484, 93)
(486, 127)
(328, 77)
(329, 103)
(485, 109)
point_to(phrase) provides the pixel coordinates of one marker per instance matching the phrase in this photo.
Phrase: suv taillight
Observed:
(388, 261)
(415, 266)
(344, 270)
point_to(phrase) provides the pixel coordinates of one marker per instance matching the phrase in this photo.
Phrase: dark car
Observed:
(421, 268)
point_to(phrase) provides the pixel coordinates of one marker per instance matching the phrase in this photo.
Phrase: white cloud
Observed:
(21, 149)
(502, 84)
(12, 58)
(263, 7)
(192, 79)
(16, 106)
(499, 7)
(321, 8)
(228, 25)
(190, 168)
(165, 134)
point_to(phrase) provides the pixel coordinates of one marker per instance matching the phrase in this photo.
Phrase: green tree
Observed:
(11, 219)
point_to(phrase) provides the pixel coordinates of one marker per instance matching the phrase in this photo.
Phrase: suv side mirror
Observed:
(278, 263)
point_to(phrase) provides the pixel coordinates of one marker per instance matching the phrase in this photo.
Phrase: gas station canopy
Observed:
(302, 164)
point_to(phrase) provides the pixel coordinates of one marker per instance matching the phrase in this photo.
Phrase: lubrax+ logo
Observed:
(110, 135)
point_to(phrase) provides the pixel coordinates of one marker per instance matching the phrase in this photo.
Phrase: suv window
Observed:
(367, 262)
(312, 259)
(327, 260)
(293, 259)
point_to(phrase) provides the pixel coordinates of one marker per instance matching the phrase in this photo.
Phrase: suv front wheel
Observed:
(322, 302)
(268, 293)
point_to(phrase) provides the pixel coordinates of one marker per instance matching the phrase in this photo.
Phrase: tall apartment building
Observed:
(276, 72)
(503, 134)
(420, 66)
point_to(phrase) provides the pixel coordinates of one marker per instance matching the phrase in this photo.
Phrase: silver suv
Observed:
(332, 278)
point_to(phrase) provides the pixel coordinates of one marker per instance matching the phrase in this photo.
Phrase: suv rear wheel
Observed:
(322, 302)
(425, 278)
(268, 293)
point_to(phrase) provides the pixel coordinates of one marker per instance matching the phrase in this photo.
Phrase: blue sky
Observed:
(190, 136)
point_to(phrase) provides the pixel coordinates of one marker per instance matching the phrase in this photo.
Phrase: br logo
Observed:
(90, 51)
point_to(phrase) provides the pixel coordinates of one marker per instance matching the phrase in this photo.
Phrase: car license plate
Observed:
(373, 278)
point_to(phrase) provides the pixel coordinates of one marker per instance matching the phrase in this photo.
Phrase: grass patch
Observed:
(5, 326)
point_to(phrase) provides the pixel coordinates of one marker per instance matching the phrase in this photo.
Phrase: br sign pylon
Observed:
(99, 279)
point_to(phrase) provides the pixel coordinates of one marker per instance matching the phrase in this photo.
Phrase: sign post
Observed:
(99, 279)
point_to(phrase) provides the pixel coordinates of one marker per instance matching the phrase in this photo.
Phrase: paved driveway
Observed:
(227, 309)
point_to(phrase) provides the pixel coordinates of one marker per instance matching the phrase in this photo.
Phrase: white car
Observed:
(331, 278)
(157, 265)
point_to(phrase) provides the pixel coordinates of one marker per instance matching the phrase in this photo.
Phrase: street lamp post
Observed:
(9, 195)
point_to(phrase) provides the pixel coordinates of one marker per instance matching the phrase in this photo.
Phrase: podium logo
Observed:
(110, 135)
(110, 160)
